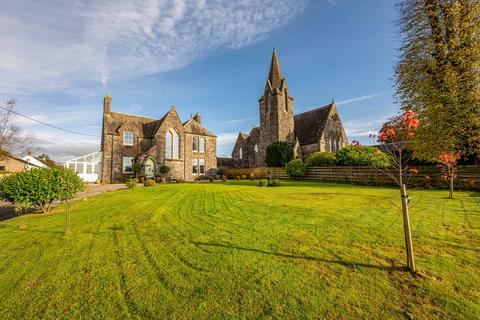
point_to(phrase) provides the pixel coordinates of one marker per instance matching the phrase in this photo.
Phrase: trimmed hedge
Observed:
(279, 154)
(360, 156)
(296, 168)
(319, 159)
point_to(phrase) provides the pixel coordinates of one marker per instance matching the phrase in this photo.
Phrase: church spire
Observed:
(275, 75)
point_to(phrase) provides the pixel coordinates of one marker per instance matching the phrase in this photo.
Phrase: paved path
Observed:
(7, 210)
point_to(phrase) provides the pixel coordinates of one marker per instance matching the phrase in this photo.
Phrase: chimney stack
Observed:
(106, 104)
(197, 117)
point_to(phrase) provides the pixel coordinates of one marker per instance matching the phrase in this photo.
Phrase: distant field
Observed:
(214, 251)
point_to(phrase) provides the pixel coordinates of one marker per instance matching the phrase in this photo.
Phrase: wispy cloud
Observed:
(54, 44)
(361, 98)
(238, 120)
(225, 142)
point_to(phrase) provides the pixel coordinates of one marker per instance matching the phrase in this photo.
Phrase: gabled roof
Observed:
(309, 125)
(119, 119)
(193, 127)
(243, 135)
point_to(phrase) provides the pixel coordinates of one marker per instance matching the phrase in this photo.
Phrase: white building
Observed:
(88, 167)
(33, 162)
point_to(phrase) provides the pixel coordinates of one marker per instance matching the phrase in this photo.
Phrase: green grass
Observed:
(218, 251)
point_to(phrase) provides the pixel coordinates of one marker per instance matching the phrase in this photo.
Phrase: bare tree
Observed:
(11, 138)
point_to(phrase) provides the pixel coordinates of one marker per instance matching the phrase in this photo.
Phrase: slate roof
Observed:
(193, 127)
(224, 162)
(309, 125)
(149, 125)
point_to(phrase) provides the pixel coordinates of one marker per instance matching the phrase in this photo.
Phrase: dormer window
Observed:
(128, 138)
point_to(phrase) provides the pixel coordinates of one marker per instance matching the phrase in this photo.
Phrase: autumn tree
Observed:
(438, 75)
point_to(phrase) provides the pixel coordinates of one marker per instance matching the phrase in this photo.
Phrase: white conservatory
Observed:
(88, 167)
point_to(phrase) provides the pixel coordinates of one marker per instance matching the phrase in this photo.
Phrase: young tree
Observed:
(437, 74)
(394, 138)
(448, 165)
(69, 184)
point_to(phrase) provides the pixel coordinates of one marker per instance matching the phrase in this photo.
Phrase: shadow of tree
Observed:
(292, 256)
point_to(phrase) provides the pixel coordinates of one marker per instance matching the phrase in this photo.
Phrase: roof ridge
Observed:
(134, 115)
(316, 109)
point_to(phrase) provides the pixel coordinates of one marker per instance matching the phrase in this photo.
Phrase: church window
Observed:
(172, 145)
(240, 154)
(201, 166)
(201, 145)
(195, 144)
(331, 144)
(127, 164)
(194, 166)
(128, 138)
(255, 151)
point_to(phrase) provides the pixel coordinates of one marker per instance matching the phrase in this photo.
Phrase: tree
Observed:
(45, 158)
(394, 138)
(278, 154)
(68, 184)
(11, 138)
(437, 75)
(448, 165)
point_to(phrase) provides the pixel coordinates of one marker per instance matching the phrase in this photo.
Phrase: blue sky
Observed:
(207, 56)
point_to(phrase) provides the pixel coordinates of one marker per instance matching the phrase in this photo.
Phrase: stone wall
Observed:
(209, 155)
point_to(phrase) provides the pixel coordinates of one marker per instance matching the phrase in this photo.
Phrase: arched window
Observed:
(172, 145)
(240, 154)
(255, 149)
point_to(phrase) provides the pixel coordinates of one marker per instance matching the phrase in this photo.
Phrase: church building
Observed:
(315, 130)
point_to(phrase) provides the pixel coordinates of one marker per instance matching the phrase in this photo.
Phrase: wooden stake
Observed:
(406, 228)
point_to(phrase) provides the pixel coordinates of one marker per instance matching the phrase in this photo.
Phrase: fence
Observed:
(468, 177)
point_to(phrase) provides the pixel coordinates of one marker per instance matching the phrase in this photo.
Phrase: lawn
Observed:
(303, 250)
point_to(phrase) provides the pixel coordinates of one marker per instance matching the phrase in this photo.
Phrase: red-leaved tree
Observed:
(448, 165)
(393, 139)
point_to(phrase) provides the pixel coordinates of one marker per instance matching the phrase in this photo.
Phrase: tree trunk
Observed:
(406, 228)
(451, 186)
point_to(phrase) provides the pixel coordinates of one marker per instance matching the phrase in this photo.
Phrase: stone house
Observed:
(187, 148)
(9, 163)
(315, 130)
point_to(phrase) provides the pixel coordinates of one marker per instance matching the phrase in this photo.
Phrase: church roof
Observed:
(309, 125)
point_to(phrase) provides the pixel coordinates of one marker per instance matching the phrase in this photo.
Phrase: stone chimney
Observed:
(107, 104)
(197, 117)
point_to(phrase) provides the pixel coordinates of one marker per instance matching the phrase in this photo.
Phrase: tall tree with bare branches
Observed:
(12, 140)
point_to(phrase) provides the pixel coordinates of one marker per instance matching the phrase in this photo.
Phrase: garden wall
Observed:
(468, 177)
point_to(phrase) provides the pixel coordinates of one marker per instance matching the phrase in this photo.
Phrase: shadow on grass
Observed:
(292, 256)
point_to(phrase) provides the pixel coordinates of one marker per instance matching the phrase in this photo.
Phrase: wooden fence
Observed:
(468, 177)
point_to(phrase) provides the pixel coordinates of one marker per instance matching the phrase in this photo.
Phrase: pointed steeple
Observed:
(275, 75)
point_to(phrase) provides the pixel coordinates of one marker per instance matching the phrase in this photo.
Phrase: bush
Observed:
(98, 181)
(263, 183)
(279, 154)
(319, 159)
(180, 180)
(252, 176)
(244, 177)
(131, 183)
(238, 178)
(164, 169)
(38, 188)
(361, 155)
(296, 168)
(224, 178)
(274, 183)
(149, 183)
(210, 179)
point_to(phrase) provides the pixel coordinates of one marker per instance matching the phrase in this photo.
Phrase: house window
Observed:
(127, 165)
(195, 144)
(201, 166)
(201, 145)
(128, 138)
(194, 166)
(240, 154)
(172, 145)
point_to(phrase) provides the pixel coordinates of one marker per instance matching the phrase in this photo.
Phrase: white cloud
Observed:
(238, 120)
(56, 44)
(225, 143)
(361, 98)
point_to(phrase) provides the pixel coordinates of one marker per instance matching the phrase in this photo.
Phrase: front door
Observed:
(149, 169)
